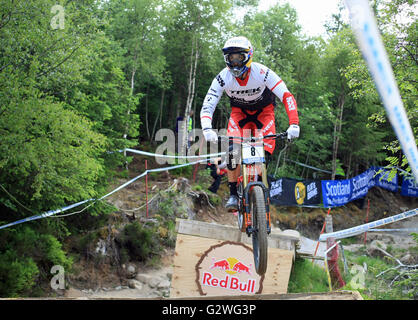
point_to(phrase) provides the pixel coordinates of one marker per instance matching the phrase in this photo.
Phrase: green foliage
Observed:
(48, 154)
(307, 277)
(17, 274)
(26, 258)
(138, 242)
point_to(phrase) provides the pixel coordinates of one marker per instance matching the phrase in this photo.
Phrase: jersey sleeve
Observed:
(211, 100)
(279, 88)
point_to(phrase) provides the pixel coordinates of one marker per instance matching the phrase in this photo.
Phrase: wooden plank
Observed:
(188, 251)
(277, 239)
(335, 295)
(190, 248)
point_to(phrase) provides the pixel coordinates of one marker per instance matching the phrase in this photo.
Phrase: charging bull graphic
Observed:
(231, 266)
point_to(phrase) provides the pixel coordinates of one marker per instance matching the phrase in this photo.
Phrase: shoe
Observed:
(232, 203)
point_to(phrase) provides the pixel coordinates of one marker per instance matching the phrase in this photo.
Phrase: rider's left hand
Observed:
(293, 132)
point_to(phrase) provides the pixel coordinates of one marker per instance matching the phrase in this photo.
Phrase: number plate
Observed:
(252, 154)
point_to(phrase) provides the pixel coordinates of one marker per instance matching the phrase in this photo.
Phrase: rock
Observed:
(130, 271)
(154, 282)
(134, 284)
(183, 185)
(164, 284)
(101, 247)
(143, 277)
(408, 259)
(374, 249)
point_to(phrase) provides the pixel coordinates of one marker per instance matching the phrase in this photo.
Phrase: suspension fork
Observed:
(246, 196)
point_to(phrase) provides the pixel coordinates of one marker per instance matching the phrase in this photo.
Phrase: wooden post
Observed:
(322, 231)
(146, 186)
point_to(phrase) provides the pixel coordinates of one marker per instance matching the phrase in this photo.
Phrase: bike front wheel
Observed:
(259, 234)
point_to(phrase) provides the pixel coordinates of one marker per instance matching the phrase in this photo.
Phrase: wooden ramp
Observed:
(216, 260)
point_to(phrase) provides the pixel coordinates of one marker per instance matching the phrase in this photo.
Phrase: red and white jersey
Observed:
(256, 91)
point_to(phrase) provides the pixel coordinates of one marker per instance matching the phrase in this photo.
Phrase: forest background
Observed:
(91, 76)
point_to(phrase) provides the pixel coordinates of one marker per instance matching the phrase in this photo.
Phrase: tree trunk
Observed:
(159, 116)
(146, 113)
(349, 165)
(190, 91)
(337, 132)
(131, 93)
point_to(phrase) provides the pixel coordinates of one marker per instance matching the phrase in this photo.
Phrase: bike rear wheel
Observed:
(259, 234)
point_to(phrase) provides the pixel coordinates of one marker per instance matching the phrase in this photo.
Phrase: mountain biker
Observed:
(251, 88)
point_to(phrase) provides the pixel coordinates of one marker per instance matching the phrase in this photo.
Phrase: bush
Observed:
(27, 258)
(17, 274)
(138, 243)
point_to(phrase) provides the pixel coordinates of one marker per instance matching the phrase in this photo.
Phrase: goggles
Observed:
(236, 59)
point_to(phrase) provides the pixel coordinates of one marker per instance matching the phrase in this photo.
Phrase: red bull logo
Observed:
(227, 268)
(231, 266)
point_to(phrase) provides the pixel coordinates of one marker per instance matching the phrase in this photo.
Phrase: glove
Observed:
(210, 135)
(293, 131)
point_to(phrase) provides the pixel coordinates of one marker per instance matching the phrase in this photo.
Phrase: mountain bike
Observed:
(254, 195)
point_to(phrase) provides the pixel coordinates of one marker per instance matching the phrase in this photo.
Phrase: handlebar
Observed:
(282, 135)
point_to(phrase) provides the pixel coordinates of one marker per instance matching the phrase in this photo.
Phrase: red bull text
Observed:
(229, 282)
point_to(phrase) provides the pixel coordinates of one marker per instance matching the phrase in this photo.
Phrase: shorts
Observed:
(260, 121)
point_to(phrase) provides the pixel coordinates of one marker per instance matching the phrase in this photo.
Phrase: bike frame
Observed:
(249, 178)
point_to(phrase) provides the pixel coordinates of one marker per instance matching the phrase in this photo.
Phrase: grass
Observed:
(373, 287)
(307, 277)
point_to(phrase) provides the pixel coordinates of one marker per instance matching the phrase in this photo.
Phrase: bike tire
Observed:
(259, 223)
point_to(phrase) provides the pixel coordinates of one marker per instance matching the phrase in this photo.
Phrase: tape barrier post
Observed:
(371, 45)
(332, 255)
(326, 264)
(322, 231)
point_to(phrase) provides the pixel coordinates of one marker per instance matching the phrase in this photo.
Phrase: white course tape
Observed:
(53, 212)
(368, 37)
(366, 227)
(405, 230)
(45, 214)
(151, 170)
(174, 156)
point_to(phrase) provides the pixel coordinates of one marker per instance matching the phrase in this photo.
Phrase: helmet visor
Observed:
(235, 59)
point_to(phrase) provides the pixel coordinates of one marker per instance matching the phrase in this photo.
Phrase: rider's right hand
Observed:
(210, 135)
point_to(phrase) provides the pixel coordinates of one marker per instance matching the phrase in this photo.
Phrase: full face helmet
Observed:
(238, 54)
